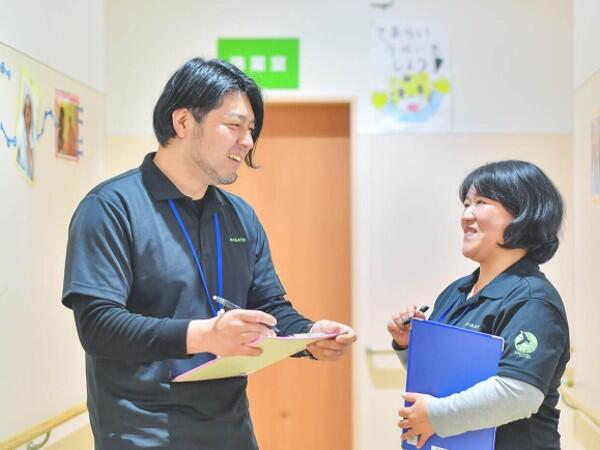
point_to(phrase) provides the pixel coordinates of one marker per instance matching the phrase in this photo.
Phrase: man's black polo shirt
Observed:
(126, 248)
(523, 307)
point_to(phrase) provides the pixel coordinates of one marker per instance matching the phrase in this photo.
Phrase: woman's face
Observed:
(483, 223)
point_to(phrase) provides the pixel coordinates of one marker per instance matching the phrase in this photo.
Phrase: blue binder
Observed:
(443, 360)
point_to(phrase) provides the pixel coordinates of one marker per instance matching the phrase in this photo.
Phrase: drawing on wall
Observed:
(9, 141)
(410, 87)
(596, 157)
(5, 70)
(64, 118)
(26, 137)
(67, 129)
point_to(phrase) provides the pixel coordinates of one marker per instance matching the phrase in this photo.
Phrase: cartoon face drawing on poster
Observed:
(414, 97)
(26, 134)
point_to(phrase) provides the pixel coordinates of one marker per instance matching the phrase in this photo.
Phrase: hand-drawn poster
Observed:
(596, 157)
(27, 118)
(410, 87)
(67, 129)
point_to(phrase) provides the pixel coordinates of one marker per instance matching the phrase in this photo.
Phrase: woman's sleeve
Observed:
(490, 403)
(402, 354)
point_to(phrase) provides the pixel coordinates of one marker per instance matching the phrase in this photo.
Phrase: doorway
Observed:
(301, 194)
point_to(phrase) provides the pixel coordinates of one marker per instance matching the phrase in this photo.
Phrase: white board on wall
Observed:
(42, 371)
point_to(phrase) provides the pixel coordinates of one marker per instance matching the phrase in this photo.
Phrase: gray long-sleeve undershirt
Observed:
(490, 403)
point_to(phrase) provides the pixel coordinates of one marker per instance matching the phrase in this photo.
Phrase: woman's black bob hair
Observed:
(200, 85)
(529, 195)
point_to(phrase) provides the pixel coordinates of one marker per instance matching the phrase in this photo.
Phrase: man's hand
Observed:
(397, 328)
(232, 333)
(331, 349)
(415, 418)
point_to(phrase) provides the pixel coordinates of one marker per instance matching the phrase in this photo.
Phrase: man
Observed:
(147, 251)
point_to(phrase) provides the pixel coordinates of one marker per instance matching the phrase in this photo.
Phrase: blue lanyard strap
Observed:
(190, 244)
(219, 255)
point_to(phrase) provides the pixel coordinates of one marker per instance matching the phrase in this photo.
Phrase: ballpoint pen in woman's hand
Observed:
(408, 319)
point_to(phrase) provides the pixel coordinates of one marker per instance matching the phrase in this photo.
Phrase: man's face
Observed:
(220, 142)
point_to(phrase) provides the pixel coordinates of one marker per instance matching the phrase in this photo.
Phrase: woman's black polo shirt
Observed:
(523, 307)
(126, 247)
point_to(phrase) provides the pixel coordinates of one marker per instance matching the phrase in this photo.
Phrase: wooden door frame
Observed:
(352, 102)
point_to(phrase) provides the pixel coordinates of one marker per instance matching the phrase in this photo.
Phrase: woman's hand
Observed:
(415, 419)
(398, 329)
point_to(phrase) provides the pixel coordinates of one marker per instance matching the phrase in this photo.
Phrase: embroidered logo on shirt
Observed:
(472, 325)
(525, 344)
(237, 240)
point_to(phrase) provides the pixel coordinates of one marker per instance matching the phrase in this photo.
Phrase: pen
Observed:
(422, 309)
(228, 306)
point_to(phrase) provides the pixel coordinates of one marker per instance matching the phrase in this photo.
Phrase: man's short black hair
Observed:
(529, 195)
(200, 86)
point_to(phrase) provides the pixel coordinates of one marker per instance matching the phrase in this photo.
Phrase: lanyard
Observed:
(190, 244)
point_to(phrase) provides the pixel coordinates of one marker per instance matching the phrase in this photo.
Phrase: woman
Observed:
(27, 138)
(511, 220)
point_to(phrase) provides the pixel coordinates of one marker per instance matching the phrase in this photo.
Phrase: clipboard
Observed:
(443, 360)
(274, 349)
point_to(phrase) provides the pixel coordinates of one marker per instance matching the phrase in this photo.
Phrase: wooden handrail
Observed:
(574, 399)
(379, 350)
(43, 428)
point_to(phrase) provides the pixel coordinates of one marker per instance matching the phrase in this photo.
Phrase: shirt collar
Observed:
(500, 286)
(157, 183)
(162, 188)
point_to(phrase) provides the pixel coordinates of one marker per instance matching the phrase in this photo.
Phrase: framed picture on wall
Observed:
(67, 129)
(596, 157)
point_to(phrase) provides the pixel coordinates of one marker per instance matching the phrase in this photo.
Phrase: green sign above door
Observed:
(273, 63)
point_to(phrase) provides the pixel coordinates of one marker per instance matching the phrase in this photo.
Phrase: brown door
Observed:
(301, 194)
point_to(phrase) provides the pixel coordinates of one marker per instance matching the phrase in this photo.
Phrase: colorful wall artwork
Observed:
(410, 86)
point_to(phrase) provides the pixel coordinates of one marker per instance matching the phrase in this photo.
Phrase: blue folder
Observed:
(443, 360)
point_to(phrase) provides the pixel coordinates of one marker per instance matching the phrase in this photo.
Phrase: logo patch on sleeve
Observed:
(525, 344)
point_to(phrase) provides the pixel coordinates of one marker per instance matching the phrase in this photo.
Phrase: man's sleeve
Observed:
(535, 339)
(98, 277)
(107, 330)
(98, 261)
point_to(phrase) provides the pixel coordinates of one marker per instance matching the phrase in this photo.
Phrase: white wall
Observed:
(586, 35)
(587, 210)
(43, 363)
(511, 60)
(512, 79)
(67, 35)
